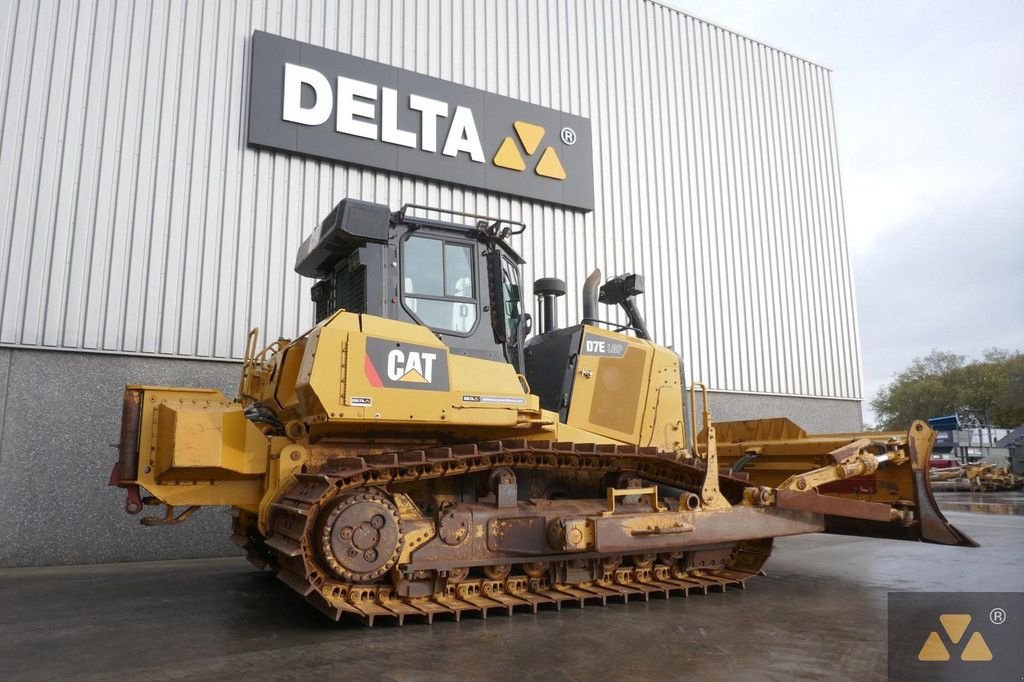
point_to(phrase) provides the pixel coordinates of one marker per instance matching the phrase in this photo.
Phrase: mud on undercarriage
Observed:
(363, 538)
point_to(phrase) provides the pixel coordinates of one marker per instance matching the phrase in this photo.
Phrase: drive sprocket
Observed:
(360, 538)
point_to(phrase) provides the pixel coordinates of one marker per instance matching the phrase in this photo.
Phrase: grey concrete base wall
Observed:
(60, 413)
(814, 415)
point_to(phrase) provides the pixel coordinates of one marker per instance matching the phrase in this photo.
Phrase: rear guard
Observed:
(771, 450)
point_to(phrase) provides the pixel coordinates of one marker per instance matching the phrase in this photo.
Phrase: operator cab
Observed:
(461, 280)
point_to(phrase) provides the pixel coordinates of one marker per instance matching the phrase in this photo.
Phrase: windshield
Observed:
(437, 283)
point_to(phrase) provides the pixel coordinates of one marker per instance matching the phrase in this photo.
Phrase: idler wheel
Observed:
(628, 481)
(535, 569)
(500, 476)
(457, 575)
(361, 536)
(671, 558)
(643, 560)
(498, 571)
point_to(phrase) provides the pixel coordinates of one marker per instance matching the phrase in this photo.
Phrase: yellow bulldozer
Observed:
(421, 451)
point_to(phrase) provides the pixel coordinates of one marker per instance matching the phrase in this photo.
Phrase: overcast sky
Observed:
(930, 106)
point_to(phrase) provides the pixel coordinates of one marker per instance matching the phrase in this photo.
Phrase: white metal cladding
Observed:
(134, 219)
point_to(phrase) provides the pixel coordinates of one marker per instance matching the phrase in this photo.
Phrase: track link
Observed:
(288, 548)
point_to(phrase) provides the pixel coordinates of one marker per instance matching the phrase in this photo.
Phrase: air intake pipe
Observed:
(591, 290)
(622, 291)
(547, 289)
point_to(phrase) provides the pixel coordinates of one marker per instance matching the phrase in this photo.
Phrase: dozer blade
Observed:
(774, 452)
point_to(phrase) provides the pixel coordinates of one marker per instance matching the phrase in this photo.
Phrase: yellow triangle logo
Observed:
(550, 166)
(508, 156)
(414, 376)
(976, 649)
(955, 624)
(933, 649)
(530, 135)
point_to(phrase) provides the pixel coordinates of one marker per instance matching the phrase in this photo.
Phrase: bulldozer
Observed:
(422, 451)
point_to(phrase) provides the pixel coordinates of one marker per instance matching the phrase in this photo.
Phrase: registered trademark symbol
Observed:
(997, 616)
(568, 136)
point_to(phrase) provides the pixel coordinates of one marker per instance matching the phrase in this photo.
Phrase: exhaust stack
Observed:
(591, 288)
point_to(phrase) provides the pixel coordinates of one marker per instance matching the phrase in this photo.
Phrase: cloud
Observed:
(930, 120)
(950, 277)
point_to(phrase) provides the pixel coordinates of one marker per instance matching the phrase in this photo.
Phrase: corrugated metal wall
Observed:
(134, 219)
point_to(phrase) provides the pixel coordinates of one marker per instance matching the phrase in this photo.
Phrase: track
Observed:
(290, 548)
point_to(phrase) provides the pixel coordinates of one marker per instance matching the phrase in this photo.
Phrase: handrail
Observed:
(464, 214)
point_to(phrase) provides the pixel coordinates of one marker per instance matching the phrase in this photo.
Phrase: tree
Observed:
(987, 392)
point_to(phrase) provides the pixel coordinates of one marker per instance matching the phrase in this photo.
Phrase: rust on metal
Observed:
(836, 506)
(855, 485)
(449, 488)
(128, 446)
(126, 469)
(934, 526)
(504, 560)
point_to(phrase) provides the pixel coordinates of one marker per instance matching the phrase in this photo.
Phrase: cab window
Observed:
(438, 286)
(508, 318)
(510, 296)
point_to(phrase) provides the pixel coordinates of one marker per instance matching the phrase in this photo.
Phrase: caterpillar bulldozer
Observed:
(421, 451)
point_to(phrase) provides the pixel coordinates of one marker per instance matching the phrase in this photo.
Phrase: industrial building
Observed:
(157, 177)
